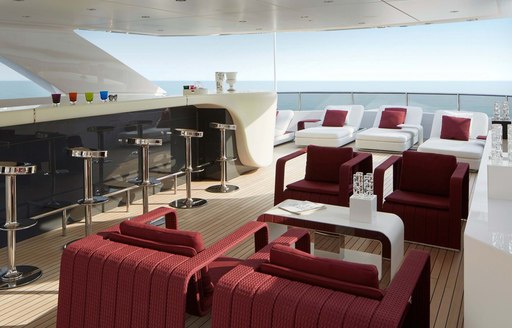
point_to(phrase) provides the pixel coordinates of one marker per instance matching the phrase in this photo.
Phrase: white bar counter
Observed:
(253, 113)
(488, 255)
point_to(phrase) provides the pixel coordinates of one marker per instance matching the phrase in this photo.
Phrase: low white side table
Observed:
(385, 227)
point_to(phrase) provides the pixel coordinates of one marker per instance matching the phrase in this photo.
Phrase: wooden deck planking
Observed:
(35, 305)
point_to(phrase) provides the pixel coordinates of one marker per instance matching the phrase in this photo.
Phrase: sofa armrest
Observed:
(459, 189)
(301, 125)
(417, 127)
(184, 272)
(171, 220)
(280, 171)
(360, 162)
(378, 177)
(410, 288)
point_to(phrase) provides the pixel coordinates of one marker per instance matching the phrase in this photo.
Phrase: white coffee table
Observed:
(386, 228)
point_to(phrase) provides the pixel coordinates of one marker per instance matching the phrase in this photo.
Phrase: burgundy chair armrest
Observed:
(410, 288)
(182, 274)
(378, 177)
(280, 170)
(222, 297)
(360, 162)
(301, 125)
(171, 220)
(459, 189)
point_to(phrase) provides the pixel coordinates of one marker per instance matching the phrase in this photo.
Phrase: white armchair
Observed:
(330, 136)
(468, 151)
(397, 139)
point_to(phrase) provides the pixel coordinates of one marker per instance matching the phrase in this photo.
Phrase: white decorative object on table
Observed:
(505, 111)
(363, 203)
(219, 81)
(231, 79)
(496, 112)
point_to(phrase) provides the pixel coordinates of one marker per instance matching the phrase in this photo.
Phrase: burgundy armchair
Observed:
(285, 287)
(139, 275)
(430, 194)
(328, 176)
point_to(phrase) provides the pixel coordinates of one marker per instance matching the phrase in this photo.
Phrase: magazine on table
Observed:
(300, 207)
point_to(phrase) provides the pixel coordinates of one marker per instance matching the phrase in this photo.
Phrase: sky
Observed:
(468, 51)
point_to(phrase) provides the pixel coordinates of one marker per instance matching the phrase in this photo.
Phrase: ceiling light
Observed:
(454, 11)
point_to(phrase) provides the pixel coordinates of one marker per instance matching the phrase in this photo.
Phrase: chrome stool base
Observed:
(188, 203)
(220, 189)
(25, 274)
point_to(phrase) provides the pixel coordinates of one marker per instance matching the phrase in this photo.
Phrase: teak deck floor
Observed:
(35, 305)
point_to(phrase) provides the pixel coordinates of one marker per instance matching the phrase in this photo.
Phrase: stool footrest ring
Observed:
(93, 201)
(19, 225)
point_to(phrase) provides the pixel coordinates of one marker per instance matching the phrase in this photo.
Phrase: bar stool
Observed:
(13, 276)
(139, 127)
(145, 181)
(223, 187)
(188, 202)
(51, 138)
(100, 130)
(89, 199)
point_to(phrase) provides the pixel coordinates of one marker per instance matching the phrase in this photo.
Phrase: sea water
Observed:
(317, 94)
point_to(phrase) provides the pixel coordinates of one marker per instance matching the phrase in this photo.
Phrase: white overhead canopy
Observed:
(205, 17)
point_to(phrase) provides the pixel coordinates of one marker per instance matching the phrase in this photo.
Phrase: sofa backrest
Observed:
(354, 116)
(413, 116)
(479, 122)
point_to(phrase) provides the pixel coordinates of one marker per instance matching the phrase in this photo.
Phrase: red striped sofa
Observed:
(251, 296)
(136, 281)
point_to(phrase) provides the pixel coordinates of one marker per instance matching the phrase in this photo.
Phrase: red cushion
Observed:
(343, 286)
(391, 118)
(317, 187)
(396, 109)
(456, 128)
(427, 173)
(323, 163)
(421, 200)
(145, 243)
(354, 273)
(334, 117)
(169, 236)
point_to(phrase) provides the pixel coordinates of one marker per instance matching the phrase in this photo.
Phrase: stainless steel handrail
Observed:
(408, 95)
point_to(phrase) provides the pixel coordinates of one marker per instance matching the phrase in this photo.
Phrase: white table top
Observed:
(386, 223)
